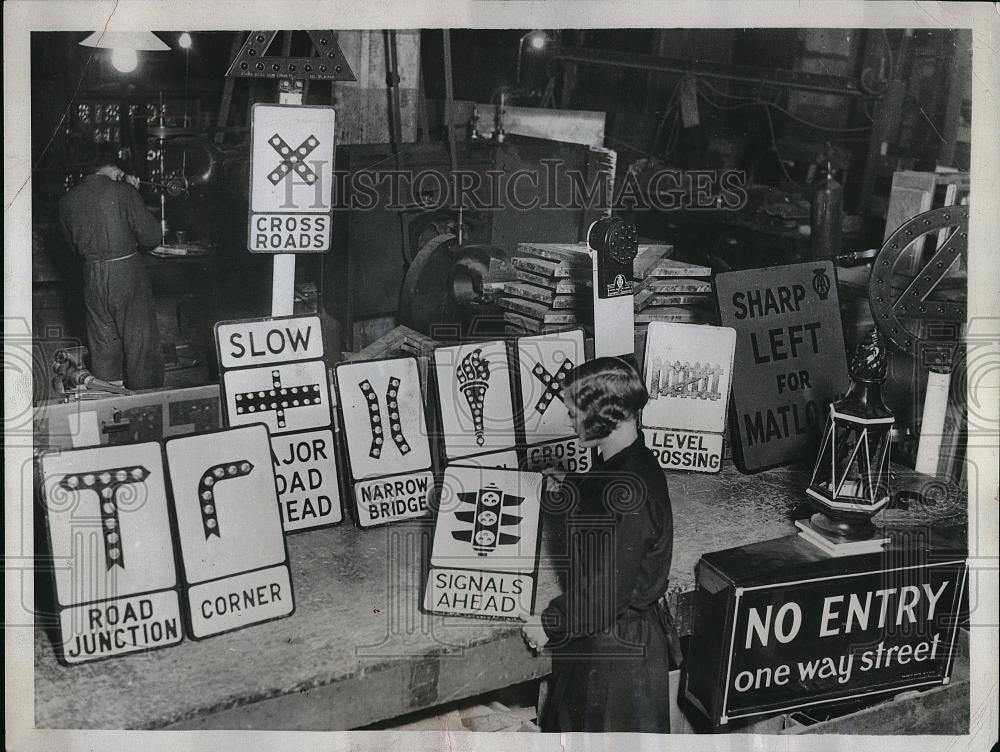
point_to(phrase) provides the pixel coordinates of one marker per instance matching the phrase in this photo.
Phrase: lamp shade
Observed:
(125, 40)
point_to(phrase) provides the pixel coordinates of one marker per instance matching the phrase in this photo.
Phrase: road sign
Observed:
(485, 543)
(778, 628)
(544, 362)
(232, 548)
(790, 359)
(273, 372)
(688, 370)
(286, 397)
(291, 178)
(113, 555)
(388, 449)
(475, 398)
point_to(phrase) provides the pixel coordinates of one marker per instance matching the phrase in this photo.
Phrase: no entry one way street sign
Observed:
(291, 178)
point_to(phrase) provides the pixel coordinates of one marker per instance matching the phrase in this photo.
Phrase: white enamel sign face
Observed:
(688, 370)
(567, 455)
(226, 502)
(232, 545)
(505, 460)
(286, 397)
(112, 551)
(305, 469)
(544, 362)
(393, 498)
(685, 450)
(487, 519)
(477, 408)
(291, 178)
(383, 417)
(503, 595)
(267, 341)
(107, 516)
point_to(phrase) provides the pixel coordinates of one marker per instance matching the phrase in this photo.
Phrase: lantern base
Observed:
(845, 529)
(838, 545)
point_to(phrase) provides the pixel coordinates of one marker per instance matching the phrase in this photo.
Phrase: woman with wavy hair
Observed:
(608, 631)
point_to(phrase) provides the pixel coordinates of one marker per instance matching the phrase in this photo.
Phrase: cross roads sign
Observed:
(291, 178)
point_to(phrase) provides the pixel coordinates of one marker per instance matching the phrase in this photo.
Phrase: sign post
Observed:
(614, 245)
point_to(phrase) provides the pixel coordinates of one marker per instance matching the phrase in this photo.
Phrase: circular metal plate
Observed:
(913, 304)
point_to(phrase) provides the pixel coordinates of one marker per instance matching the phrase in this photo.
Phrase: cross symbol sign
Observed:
(277, 399)
(293, 159)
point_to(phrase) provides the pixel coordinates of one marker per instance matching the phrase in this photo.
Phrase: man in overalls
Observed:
(105, 220)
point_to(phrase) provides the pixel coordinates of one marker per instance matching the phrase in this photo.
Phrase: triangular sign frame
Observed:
(330, 65)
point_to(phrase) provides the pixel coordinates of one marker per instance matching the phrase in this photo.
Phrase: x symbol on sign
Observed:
(293, 159)
(553, 383)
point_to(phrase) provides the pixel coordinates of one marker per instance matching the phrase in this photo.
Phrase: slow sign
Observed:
(291, 178)
(790, 359)
(109, 531)
(274, 372)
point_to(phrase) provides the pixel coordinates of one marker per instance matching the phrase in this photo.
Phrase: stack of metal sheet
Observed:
(552, 291)
(670, 290)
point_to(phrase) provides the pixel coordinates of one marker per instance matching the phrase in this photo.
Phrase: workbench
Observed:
(358, 650)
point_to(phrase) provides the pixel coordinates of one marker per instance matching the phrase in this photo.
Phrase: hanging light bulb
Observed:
(123, 46)
(124, 59)
(184, 40)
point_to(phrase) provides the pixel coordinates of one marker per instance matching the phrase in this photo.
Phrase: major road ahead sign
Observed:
(291, 178)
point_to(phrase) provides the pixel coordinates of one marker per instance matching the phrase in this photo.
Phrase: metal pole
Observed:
(283, 275)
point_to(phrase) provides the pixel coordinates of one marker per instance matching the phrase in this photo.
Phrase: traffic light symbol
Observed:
(487, 519)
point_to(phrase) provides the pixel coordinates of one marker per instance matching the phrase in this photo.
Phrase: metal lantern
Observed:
(850, 481)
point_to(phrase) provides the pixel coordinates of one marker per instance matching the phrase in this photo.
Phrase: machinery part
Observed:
(444, 285)
(424, 300)
(70, 373)
(252, 62)
(201, 160)
(902, 284)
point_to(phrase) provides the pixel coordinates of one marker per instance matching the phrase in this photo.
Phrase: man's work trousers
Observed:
(121, 322)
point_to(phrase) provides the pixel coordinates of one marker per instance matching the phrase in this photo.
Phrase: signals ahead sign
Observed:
(291, 178)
